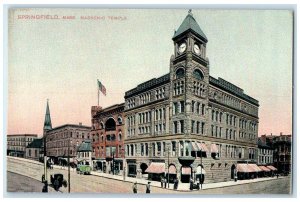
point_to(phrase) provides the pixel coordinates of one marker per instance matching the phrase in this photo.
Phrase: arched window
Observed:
(101, 125)
(120, 136)
(120, 120)
(198, 74)
(110, 124)
(179, 73)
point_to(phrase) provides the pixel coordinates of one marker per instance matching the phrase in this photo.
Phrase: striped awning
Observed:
(214, 148)
(186, 171)
(194, 146)
(242, 168)
(172, 169)
(156, 167)
(264, 168)
(202, 147)
(254, 168)
(272, 168)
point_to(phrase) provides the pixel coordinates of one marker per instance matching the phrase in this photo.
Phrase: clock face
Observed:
(182, 47)
(197, 49)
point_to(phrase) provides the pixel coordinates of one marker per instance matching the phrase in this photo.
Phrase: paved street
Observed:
(98, 184)
(21, 183)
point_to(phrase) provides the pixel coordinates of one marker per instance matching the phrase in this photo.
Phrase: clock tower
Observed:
(189, 76)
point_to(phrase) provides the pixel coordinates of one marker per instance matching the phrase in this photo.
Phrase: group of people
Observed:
(164, 181)
(134, 188)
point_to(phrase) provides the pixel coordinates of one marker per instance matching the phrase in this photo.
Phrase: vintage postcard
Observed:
(149, 101)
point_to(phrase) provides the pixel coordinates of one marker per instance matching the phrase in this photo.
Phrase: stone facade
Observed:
(17, 143)
(166, 117)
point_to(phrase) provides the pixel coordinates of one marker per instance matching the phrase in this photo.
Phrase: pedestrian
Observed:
(45, 187)
(148, 188)
(201, 180)
(176, 183)
(198, 183)
(277, 175)
(191, 183)
(165, 181)
(134, 188)
(162, 182)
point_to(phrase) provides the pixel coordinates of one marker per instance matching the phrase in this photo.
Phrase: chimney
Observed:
(280, 133)
(80, 123)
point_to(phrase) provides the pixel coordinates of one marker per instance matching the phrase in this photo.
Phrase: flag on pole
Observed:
(101, 87)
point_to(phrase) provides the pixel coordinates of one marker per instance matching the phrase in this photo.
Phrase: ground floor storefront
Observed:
(186, 168)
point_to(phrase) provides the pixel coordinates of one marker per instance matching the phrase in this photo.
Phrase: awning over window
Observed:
(194, 146)
(214, 148)
(199, 168)
(272, 168)
(264, 168)
(202, 147)
(172, 169)
(242, 168)
(186, 171)
(156, 167)
(254, 168)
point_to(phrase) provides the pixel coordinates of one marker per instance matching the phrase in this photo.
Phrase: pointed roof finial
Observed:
(190, 12)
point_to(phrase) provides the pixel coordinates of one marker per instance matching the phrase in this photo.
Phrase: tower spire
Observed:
(47, 122)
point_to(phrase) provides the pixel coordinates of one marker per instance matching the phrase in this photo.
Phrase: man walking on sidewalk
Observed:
(148, 188)
(134, 188)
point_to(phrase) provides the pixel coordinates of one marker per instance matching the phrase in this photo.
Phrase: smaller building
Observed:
(17, 143)
(281, 145)
(282, 153)
(108, 138)
(84, 153)
(34, 150)
(265, 154)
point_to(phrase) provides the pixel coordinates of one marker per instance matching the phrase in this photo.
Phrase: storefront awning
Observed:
(172, 169)
(264, 168)
(254, 168)
(200, 170)
(186, 171)
(156, 168)
(202, 147)
(272, 168)
(242, 168)
(214, 148)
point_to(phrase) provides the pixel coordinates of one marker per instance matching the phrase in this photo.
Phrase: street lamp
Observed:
(69, 182)
(168, 165)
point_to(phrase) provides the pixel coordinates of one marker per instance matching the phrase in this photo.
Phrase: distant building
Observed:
(62, 141)
(282, 153)
(84, 153)
(35, 151)
(265, 154)
(282, 150)
(17, 143)
(60, 138)
(108, 138)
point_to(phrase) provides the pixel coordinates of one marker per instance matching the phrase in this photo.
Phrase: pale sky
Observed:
(62, 60)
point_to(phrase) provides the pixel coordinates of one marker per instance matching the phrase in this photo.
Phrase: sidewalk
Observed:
(181, 186)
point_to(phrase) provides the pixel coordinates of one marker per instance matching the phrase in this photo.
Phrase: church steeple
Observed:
(47, 122)
(190, 24)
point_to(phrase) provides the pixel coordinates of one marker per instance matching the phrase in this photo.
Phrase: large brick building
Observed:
(108, 138)
(62, 141)
(186, 119)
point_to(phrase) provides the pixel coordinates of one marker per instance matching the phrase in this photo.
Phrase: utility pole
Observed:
(168, 166)
(69, 183)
